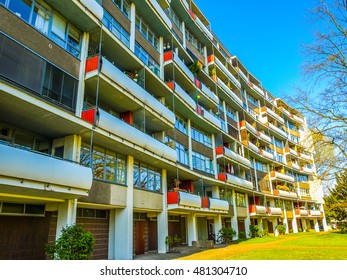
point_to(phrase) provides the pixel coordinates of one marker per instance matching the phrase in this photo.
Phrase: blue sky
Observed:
(268, 37)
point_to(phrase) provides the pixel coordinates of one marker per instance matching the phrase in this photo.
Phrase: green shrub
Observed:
(75, 243)
(262, 233)
(254, 231)
(227, 234)
(242, 235)
(173, 241)
(281, 229)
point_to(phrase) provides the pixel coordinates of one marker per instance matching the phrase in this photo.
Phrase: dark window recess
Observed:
(59, 152)
(30, 71)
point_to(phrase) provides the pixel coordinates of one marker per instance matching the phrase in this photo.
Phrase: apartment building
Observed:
(132, 119)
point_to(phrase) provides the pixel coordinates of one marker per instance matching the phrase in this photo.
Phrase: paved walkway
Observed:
(182, 251)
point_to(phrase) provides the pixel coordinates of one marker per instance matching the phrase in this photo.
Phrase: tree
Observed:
(336, 202)
(75, 243)
(324, 101)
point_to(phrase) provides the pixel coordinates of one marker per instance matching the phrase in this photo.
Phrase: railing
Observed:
(314, 213)
(231, 154)
(211, 118)
(253, 147)
(274, 211)
(266, 154)
(258, 89)
(276, 129)
(204, 28)
(184, 199)
(226, 72)
(251, 128)
(257, 210)
(94, 7)
(229, 91)
(274, 115)
(285, 193)
(264, 137)
(171, 56)
(243, 75)
(161, 12)
(218, 204)
(209, 93)
(300, 212)
(275, 174)
(235, 180)
(183, 94)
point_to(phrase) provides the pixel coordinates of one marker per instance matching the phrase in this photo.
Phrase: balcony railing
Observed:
(258, 89)
(232, 155)
(161, 13)
(276, 129)
(314, 213)
(123, 130)
(304, 156)
(281, 176)
(225, 70)
(266, 154)
(204, 28)
(209, 117)
(229, 91)
(172, 57)
(183, 94)
(234, 180)
(30, 170)
(257, 210)
(285, 193)
(243, 75)
(209, 93)
(264, 137)
(274, 115)
(276, 211)
(218, 204)
(94, 7)
(253, 147)
(300, 212)
(184, 200)
(117, 76)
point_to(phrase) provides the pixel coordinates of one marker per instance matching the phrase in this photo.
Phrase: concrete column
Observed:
(234, 223)
(304, 225)
(66, 215)
(285, 219)
(214, 159)
(112, 234)
(260, 224)
(161, 52)
(205, 62)
(190, 149)
(217, 223)
(80, 89)
(295, 225)
(215, 192)
(162, 218)
(274, 225)
(316, 225)
(248, 219)
(192, 230)
(123, 243)
(132, 26)
(324, 221)
(184, 35)
(72, 147)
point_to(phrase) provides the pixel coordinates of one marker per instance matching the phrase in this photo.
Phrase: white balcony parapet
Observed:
(238, 181)
(259, 90)
(211, 118)
(185, 3)
(304, 192)
(204, 28)
(314, 213)
(292, 152)
(276, 129)
(306, 169)
(226, 72)
(282, 176)
(264, 137)
(274, 211)
(128, 84)
(94, 7)
(126, 131)
(259, 209)
(267, 154)
(298, 119)
(161, 12)
(185, 96)
(253, 147)
(209, 93)
(243, 75)
(304, 156)
(229, 91)
(274, 115)
(189, 200)
(302, 212)
(184, 67)
(295, 166)
(53, 175)
(287, 194)
(285, 111)
(251, 128)
(218, 204)
(231, 154)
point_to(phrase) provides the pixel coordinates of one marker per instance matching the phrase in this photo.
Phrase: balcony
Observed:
(26, 172)
(224, 152)
(241, 211)
(285, 193)
(214, 98)
(264, 137)
(183, 95)
(183, 200)
(229, 91)
(204, 28)
(266, 154)
(253, 147)
(291, 152)
(214, 59)
(314, 213)
(272, 114)
(214, 121)
(259, 90)
(277, 130)
(274, 211)
(171, 57)
(257, 210)
(243, 75)
(280, 176)
(234, 180)
(298, 119)
(301, 212)
(218, 205)
(125, 131)
(94, 7)
(289, 214)
(304, 156)
(118, 89)
(306, 169)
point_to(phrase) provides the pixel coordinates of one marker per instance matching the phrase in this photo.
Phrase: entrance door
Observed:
(153, 236)
(139, 238)
(270, 227)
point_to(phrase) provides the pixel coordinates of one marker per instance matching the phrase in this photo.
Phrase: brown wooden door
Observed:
(153, 235)
(139, 238)
(270, 227)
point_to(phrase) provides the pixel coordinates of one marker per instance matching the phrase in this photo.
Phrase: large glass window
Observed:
(147, 177)
(252, 100)
(147, 59)
(124, 6)
(278, 143)
(106, 165)
(116, 28)
(181, 125)
(261, 166)
(147, 32)
(231, 113)
(201, 137)
(191, 38)
(182, 153)
(202, 163)
(174, 17)
(240, 199)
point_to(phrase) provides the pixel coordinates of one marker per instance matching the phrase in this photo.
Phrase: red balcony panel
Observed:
(128, 117)
(222, 176)
(197, 82)
(90, 115)
(251, 84)
(210, 58)
(252, 209)
(172, 198)
(92, 64)
(171, 85)
(168, 56)
(199, 110)
(205, 202)
(220, 150)
(297, 211)
(192, 14)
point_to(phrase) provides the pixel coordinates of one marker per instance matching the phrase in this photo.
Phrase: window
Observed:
(181, 125)
(190, 38)
(116, 28)
(278, 143)
(48, 22)
(175, 19)
(182, 153)
(292, 127)
(302, 178)
(202, 163)
(106, 165)
(279, 157)
(147, 32)
(231, 113)
(240, 199)
(252, 100)
(124, 6)
(201, 137)
(295, 139)
(147, 59)
(147, 177)
(261, 166)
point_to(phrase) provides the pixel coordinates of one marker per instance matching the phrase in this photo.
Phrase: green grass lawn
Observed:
(300, 246)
